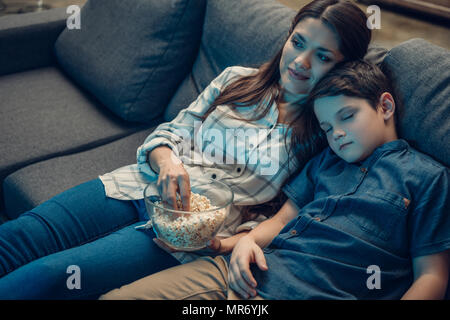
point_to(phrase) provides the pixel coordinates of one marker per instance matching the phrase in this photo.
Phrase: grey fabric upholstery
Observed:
(26, 40)
(132, 55)
(34, 184)
(44, 115)
(420, 72)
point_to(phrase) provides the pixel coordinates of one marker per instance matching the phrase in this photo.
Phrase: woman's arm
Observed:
(158, 155)
(430, 277)
(182, 127)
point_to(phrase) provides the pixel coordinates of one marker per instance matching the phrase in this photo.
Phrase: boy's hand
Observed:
(240, 278)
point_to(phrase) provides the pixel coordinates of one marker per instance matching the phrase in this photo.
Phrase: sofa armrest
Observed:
(27, 40)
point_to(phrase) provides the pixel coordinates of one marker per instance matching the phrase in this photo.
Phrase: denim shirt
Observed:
(359, 226)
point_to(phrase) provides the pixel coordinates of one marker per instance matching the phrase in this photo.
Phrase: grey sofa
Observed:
(62, 116)
(76, 103)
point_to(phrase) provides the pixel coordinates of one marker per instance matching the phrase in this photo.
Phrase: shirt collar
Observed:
(395, 145)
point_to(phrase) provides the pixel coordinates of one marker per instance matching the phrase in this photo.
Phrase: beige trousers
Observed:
(203, 279)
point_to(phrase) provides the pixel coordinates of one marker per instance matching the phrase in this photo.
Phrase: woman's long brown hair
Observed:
(349, 24)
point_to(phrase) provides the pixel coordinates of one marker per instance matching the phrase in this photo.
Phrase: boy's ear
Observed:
(387, 105)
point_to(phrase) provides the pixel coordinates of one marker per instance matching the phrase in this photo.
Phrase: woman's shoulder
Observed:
(241, 70)
(233, 71)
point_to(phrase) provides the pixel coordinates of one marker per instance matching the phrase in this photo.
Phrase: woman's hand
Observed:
(240, 278)
(172, 178)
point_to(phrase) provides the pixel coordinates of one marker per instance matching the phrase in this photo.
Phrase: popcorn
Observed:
(192, 229)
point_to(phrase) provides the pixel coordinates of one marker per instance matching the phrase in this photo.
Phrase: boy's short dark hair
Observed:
(353, 79)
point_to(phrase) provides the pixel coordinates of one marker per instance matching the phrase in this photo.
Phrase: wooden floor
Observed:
(395, 27)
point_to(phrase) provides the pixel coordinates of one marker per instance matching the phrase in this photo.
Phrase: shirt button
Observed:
(316, 218)
(363, 170)
(238, 169)
(214, 176)
(293, 232)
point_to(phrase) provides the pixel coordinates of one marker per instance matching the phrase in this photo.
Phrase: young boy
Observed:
(365, 219)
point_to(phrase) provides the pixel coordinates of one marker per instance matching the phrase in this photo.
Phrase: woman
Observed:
(92, 225)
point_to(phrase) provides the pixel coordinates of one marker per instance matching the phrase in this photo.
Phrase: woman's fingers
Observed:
(184, 186)
(169, 194)
(173, 180)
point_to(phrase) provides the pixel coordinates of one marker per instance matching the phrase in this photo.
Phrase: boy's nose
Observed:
(338, 133)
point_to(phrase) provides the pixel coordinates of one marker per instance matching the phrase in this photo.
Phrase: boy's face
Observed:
(354, 129)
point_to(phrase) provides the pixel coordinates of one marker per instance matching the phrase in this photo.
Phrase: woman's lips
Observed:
(297, 76)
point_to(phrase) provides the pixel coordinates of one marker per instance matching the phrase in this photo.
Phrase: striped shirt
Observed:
(250, 157)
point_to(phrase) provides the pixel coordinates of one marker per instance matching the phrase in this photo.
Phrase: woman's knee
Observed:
(38, 280)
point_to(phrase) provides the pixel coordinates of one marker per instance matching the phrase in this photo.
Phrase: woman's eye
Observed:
(297, 43)
(327, 130)
(324, 58)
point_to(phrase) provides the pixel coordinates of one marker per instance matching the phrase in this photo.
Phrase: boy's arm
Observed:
(248, 250)
(264, 233)
(430, 277)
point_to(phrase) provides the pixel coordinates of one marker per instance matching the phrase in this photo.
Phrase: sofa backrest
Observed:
(420, 72)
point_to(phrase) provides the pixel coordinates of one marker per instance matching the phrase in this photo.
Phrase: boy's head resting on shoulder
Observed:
(355, 109)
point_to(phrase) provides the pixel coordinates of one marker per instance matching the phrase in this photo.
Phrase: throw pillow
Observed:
(132, 55)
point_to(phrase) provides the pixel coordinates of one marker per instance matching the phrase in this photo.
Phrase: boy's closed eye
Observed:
(347, 116)
(326, 128)
(343, 115)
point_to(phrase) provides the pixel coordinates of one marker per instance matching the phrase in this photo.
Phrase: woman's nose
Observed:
(303, 61)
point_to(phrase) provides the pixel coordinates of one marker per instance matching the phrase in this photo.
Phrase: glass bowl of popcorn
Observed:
(191, 230)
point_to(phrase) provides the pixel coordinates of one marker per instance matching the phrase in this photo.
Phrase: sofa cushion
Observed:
(24, 188)
(132, 55)
(44, 115)
(420, 72)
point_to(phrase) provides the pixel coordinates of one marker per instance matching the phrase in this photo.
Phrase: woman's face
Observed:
(309, 53)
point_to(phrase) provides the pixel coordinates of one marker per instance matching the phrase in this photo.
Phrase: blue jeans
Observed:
(77, 245)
